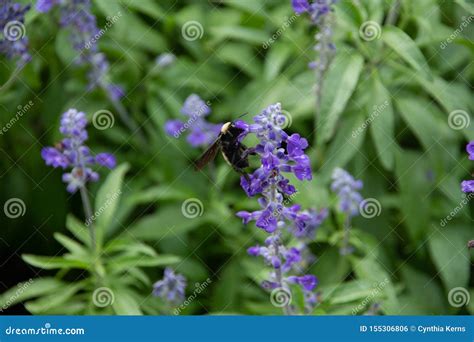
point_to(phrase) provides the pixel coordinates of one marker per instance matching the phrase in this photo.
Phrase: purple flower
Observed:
(72, 153)
(468, 185)
(171, 288)
(45, 6)
(195, 106)
(470, 150)
(165, 59)
(76, 15)
(346, 187)
(300, 6)
(105, 159)
(14, 43)
(279, 155)
(201, 132)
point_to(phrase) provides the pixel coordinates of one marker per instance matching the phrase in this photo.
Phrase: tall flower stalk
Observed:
(72, 153)
(14, 43)
(76, 15)
(468, 185)
(320, 13)
(288, 226)
(349, 201)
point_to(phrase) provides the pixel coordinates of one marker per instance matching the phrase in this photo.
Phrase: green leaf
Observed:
(244, 34)
(414, 187)
(370, 270)
(165, 223)
(78, 229)
(107, 199)
(70, 244)
(380, 111)
(275, 59)
(347, 142)
(406, 48)
(30, 289)
(60, 298)
(149, 7)
(121, 263)
(125, 303)
(451, 256)
(49, 263)
(338, 86)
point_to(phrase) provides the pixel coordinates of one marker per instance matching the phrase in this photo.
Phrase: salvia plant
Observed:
(137, 229)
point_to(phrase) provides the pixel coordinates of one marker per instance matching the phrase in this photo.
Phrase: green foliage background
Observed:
(409, 157)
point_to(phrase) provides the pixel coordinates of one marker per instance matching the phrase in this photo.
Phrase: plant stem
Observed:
(346, 249)
(125, 117)
(88, 213)
(392, 15)
(13, 76)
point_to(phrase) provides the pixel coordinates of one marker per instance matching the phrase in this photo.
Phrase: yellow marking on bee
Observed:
(225, 127)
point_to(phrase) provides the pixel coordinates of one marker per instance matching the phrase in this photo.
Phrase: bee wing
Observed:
(209, 155)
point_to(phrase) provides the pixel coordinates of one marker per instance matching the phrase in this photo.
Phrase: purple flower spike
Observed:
(72, 153)
(13, 42)
(280, 154)
(201, 132)
(470, 150)
(171, 288)
(468, 185)
(300, 6)
(106, 159)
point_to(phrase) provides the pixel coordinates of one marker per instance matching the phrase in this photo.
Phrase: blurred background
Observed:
(395, 110)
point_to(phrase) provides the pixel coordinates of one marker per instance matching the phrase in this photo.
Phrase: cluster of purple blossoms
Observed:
(201, 132)
(171, 288)
(280, 153)
(14, 42)
(346, 187)
(77, 16)
(319, 11)
(468, 185)
(72, 153)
